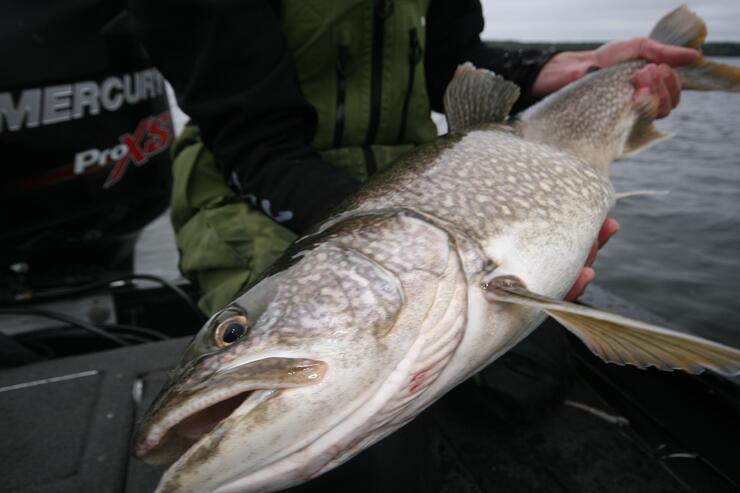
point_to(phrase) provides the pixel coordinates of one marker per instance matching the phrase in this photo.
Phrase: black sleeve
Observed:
(453, 37)
(233, 73)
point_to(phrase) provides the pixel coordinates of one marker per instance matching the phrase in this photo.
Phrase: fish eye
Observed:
(230, 330)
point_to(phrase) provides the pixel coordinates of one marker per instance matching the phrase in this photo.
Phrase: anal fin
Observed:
(621, 340)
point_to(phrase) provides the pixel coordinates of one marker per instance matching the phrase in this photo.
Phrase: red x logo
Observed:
(157, 131)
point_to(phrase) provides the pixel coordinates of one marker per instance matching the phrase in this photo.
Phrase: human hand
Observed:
(608, 229)
(656, 78)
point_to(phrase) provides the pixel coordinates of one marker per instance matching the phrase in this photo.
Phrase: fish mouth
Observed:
(167, 445)
(184, 417)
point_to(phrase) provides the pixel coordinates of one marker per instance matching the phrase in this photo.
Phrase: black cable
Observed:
(42, 342)
(141, 331)
(68, 319)
(13, 352)
(172, 287)
(93, 286)
(140, 334)
(44, 350)
(134, 339)
(53, 293)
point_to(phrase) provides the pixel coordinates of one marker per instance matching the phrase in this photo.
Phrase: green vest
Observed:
(372, 107)
(372, 104)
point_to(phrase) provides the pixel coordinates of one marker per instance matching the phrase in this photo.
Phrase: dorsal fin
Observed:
(477, 96)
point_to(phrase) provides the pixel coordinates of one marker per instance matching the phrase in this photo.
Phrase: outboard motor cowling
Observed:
(85, 132)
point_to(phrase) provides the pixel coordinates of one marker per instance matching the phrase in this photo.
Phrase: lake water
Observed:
(677, 255)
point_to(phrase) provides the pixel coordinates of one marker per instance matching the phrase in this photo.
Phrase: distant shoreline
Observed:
(709, 49)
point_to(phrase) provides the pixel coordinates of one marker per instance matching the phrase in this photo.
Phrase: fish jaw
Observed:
(244, 426)
(185, 412)
(281, 437)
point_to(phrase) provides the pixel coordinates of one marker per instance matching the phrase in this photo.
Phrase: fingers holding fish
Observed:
(659, 81)
(653, 51)
(617, 52)
(588, 274)
(608, 229)
(658, 76)
(673, 56)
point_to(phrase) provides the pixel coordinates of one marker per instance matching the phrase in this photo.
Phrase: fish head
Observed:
(221, 368)
(263, 395)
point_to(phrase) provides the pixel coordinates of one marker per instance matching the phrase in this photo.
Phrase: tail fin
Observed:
(683, 27)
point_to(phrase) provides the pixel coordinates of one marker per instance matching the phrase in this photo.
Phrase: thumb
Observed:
(646, 49)
(674, 56)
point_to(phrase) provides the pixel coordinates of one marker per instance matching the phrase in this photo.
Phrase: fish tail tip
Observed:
(683, 27)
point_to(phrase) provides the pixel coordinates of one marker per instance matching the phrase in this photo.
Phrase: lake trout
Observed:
(437, 267)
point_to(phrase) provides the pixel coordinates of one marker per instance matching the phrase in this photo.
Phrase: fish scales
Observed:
(489, 179)
(588, 120)
(508, 202)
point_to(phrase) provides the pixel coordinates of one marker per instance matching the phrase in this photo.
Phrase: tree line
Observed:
(709, 49)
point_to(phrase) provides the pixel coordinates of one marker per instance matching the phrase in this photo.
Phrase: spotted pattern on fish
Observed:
(591, 119)
(440, 332)
(358, 291)
(489, 180)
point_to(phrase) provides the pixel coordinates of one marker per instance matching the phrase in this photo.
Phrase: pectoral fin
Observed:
(621, 340)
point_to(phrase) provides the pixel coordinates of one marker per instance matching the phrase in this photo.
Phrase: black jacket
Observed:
(233, 73)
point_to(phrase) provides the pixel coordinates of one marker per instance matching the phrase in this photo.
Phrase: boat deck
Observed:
(67, 425)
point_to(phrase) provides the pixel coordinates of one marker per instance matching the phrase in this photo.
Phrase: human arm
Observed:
(233, 73)
(453, 38)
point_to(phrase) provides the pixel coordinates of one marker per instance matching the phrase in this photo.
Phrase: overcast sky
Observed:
(581, 20)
